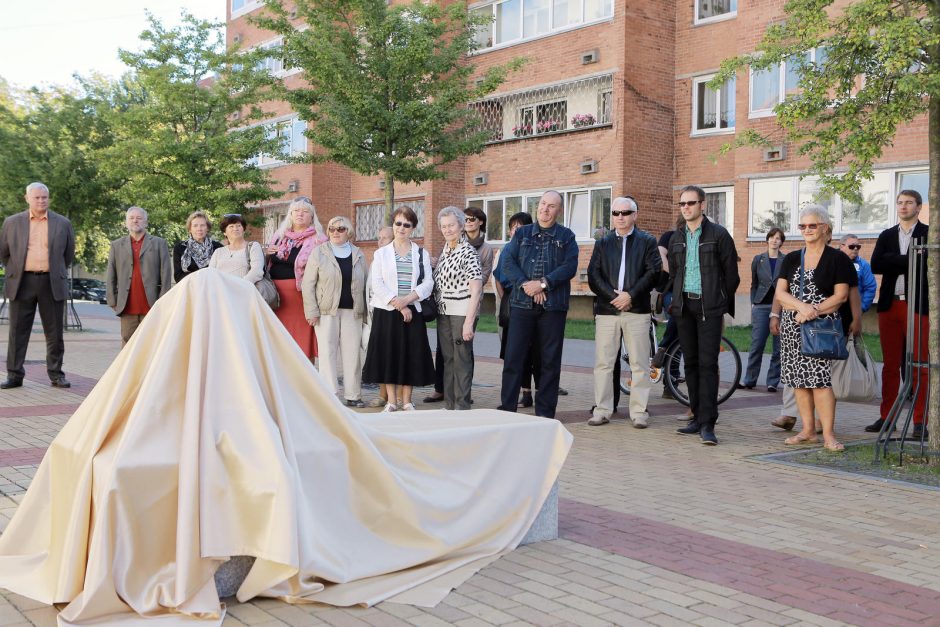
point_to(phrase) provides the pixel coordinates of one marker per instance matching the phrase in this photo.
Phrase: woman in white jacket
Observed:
(333, 290)
(399, 356)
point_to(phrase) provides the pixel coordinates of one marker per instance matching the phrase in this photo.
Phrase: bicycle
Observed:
(729, 368)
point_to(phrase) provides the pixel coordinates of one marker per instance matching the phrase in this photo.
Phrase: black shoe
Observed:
(659, 358)
(434, 398)
(562, 392)
(708, 437)
(356, 403)
(11, 382)
(745, 386)
(690, 429)
(919, 433)
(526, 400)
(60, 383)
(771, 388)
(875, 427)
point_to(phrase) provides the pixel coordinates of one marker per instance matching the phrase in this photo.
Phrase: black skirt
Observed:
(398, 352)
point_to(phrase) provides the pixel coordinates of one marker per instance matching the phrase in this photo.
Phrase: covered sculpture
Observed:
(211, 436)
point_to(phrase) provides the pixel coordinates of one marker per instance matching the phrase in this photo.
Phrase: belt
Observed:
(34, 272)
(900, 297)
(692, 295)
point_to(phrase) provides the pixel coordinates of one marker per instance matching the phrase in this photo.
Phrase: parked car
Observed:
(89, 289)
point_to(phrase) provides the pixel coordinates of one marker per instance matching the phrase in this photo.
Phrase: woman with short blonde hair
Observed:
(194, 252)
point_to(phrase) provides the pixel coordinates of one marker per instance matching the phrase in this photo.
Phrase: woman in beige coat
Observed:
(333, 290)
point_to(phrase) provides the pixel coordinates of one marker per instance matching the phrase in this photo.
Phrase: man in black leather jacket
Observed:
(623, 270)
(703, 266)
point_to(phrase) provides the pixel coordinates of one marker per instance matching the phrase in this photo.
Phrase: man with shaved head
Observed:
(37, 247)
(539, 262)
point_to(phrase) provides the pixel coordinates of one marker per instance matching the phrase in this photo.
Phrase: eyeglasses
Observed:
(406, 225)
(812, 226)
(854, 247)
(625, 212)
(472, 218)
(336, 229)
(688, 203)
(232, 215)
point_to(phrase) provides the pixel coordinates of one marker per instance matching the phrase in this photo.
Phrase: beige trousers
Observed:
(339, 337)
(636, 334)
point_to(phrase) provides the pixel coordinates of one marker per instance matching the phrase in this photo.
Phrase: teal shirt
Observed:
(693, 272)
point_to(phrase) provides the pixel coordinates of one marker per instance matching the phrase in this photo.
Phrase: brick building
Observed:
(612, 101)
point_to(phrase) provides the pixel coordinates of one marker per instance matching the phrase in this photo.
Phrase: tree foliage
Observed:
(387, 87)
(879, 70)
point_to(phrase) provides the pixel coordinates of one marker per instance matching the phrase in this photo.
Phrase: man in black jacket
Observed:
(703, 265)
(890, 261)
(623, 270)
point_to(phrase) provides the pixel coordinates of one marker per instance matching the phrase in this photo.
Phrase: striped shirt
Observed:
(693, 271)
(405, 269)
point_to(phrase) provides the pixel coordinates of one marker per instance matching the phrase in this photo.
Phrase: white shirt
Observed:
(623, 257)
(904, 243)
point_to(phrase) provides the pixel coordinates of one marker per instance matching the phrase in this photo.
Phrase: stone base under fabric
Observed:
(232, 573)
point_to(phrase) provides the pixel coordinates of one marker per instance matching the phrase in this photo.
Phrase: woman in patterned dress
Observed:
(826, 276)
(399, 356)
(458, 286)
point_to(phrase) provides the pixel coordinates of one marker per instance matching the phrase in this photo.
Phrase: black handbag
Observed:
(429, 304)
(822, 338)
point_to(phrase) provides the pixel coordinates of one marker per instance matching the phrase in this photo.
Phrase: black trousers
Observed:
(35, 289)
(700, 341)
(547, 330)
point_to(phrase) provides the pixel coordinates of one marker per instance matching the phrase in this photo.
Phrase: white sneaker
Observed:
(408, 407)
(389, 408)
(597, 421)
(640, 422)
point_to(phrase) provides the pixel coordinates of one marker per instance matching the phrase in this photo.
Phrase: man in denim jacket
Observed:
(540, 262)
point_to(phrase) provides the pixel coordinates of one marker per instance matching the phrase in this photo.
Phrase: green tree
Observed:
(387, 87)
(181, 118)
(879, 68)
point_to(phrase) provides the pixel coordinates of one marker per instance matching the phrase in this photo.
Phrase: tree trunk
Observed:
(933, 273)
(389, 197)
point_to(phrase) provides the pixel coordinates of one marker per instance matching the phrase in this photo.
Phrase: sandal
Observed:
(799, 438)
(835, 446)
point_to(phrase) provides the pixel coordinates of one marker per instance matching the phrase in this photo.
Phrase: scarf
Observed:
(342, 251)
(306, 240)
(198, 252)
(477, 241)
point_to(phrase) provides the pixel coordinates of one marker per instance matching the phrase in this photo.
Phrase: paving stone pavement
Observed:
(656, 529)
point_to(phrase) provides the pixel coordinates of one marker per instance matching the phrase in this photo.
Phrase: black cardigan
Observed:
(888, 261)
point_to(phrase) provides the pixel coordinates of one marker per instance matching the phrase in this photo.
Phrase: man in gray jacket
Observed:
(138, 272)
(37, 247)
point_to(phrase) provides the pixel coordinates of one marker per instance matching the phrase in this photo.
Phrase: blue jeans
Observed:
(546, 329)
(760, 329)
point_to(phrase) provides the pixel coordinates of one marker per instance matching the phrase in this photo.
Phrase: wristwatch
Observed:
(543, 283)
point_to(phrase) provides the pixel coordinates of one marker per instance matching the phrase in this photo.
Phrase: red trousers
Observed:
(892, 326)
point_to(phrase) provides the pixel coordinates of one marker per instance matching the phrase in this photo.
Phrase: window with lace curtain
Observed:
(714, 10)
(712, 109)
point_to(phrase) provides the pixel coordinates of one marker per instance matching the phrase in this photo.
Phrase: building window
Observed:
(769, 87)
(719, 206)
(293, 142)
(518, 20)
(582, 103)
(370, 218)
(918, 181)
(714, 10)
(777, 203)
(712, 109)
(240, 7)
(586, 211)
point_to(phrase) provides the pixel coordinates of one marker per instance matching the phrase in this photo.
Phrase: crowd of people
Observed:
(370, 322)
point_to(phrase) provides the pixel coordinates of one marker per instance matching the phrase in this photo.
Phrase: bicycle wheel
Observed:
(626, 375)
(729, 372)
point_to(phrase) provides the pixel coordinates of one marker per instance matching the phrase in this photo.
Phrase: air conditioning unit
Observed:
(591, 56)
(237, 115)
(293, 186)
(293, 14)
(381, 183)
(478, 82)
(775, 153)
(589, 166)
(237, 39)
(481, 179)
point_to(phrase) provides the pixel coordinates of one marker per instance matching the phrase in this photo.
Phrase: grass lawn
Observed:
(739, 336)
(860, 459)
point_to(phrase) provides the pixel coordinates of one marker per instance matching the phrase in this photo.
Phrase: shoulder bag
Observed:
(855, 379)
(428, 305)
(265, 285)
(823, 337)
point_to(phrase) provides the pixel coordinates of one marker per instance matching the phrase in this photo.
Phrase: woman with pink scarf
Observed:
(289, 250)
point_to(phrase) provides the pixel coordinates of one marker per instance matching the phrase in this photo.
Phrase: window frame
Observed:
(698, 80)
(728, 191)
(781, 88)
(249, 6)
(699, 21)
(291, 122)
(552, 30)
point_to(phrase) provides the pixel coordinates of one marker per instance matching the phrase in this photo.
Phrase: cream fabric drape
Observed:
(211, 435)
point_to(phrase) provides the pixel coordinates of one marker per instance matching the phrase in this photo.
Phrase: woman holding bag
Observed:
(814, 283)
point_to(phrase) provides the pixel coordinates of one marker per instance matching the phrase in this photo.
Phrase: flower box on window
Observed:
(580, 120)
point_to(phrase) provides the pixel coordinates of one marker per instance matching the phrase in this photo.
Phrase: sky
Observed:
(45, 42)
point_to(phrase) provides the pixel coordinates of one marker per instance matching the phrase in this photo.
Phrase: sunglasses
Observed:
(232, 215)
(854, 246)
(688, 203)
(336, 229)
(812, 226)
(472, 218)
(625, 212)
(406, 225)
